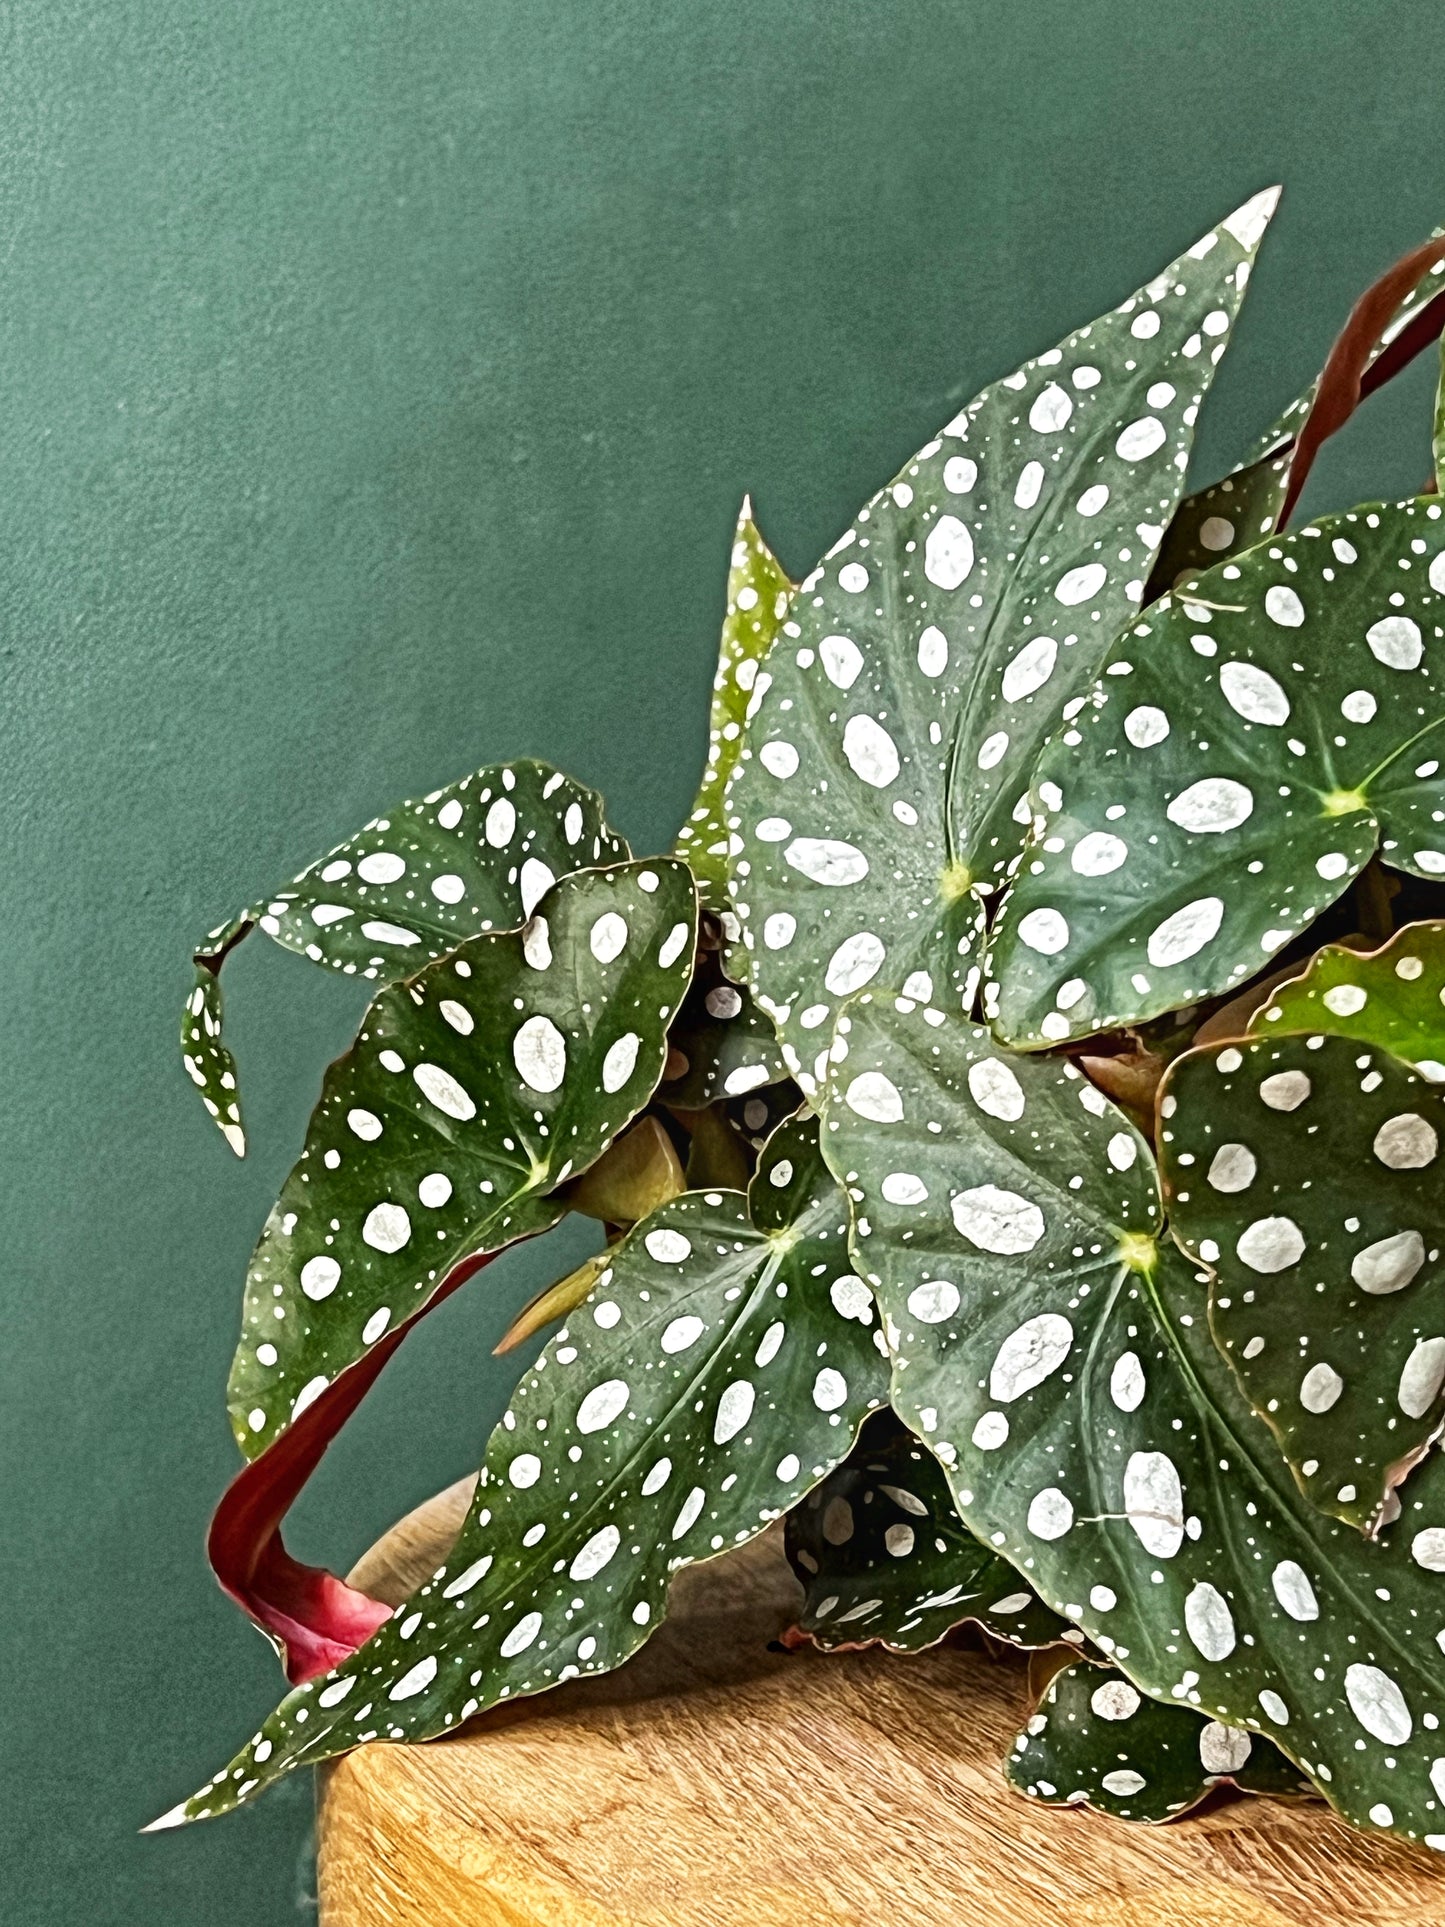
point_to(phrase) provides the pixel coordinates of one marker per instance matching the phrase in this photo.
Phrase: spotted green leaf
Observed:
(758, 593)
(1247, 749)
(884, 1559)
(1095, 1740)
(1304, 1172)
(208, 1060)
(725, 1043)
(881, 794)
(473, 1090)
(704, 1385)
(1246, 506)
(1393, 997)
(477, 855)
(1054, 1354)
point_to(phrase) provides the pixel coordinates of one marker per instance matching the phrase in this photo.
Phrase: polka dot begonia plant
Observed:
(1015, 1109)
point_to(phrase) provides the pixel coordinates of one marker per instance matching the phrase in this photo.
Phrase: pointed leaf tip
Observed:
(175, 1817)
(882, 796)
(758, 593)
(1248, 223)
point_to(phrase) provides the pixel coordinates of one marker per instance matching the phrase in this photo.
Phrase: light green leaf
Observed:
(477, 855)
(883, 1558)
(1245, 507)
(758, 593)
(1248, 747)
(472, 1092)
(1305, 1174)
(880, 797)
(706, 1383)
(1095, 1741)
(1057, 1360)
(1393, 997)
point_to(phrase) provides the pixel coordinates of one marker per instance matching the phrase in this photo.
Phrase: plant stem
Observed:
(1372, 898)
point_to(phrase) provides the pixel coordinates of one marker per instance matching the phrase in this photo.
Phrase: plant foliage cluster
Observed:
(1015, 1108)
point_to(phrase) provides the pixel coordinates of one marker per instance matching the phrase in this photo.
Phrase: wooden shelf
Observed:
(712, 1783)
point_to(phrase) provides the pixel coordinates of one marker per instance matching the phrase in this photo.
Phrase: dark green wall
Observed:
(378, 382)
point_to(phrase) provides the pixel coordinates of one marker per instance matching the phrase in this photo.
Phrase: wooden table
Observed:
(713, 1783)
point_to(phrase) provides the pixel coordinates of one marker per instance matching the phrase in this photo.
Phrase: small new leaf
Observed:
(1393, 997)
(758, 593)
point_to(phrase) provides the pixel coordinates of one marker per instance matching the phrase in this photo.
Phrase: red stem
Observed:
(315, 1619)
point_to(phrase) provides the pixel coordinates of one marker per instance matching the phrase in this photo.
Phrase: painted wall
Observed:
(378, 383)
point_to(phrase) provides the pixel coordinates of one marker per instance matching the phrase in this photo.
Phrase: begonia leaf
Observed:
(473, 1091)
(209, 1062)
(757, 600)
(475, 856)
(1249, 746)
(1305, 1173)
(705, 1384)
(881, 795)
(1054, 1354)
(1393, 997)
(1389, 325)
(1095, 1740)
(726, 1045)
(884, 1559)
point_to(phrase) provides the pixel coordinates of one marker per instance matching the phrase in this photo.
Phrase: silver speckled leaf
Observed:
(472, 1092)
(1095, 1740)
(884, 1559)
(1249, 745)
(897, 717)
(1393, 997)
(722, 1045)
(704, 1385)
(208, 1060)
(413, 884)
(1057, 1360)
(1305, 1173)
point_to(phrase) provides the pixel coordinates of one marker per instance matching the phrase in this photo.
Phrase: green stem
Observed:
(1372, 899)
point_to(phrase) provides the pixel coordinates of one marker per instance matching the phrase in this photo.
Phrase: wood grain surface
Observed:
(714, 1783)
